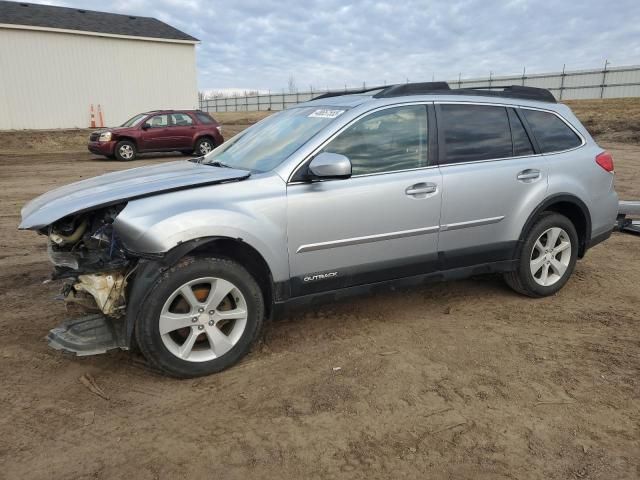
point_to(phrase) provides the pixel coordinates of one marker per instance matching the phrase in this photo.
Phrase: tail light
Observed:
(605, 160)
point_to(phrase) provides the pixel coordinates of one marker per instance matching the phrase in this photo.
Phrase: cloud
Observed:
(259, 44)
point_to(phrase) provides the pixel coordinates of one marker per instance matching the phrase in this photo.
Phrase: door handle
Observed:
(529, 175)
(421, 189)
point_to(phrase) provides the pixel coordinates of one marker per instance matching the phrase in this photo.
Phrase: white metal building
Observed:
(55, 62)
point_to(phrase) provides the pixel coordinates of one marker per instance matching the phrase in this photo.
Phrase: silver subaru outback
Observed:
(340, 195)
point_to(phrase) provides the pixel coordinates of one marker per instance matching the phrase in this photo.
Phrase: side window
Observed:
(204, 118)
(474, 132)
(521, 142)
(158, 121)
(386, 141)
(552, 134)
(182, 120)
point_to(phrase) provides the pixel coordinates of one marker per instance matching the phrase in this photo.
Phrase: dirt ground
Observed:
(454, 380)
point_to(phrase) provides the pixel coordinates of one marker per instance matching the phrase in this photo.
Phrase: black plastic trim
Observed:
(442, 88)
(598, 239)
(527, 127)
(432, 135)
(429, 264)
(468, 257)
(405, 282)
(360, 275)
(557, 198)
(404, 89)
(340, 93)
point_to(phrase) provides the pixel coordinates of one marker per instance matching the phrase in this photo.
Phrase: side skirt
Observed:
(388, 285)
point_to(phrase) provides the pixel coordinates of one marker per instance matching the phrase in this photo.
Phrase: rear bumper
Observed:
(101, 148)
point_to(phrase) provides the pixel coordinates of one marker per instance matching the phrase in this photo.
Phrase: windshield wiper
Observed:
(218, 164)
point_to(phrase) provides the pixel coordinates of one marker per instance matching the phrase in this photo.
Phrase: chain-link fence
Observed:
(566, 85)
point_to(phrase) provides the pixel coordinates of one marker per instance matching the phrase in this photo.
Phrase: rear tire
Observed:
(205, 330)
(125, 151)
(547, 257)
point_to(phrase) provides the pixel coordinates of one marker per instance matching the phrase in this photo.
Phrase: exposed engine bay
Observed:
(84, 248)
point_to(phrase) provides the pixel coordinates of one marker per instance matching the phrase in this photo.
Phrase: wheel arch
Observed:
(571, 207)
(130, 139)
(151, 269)
(204, 135)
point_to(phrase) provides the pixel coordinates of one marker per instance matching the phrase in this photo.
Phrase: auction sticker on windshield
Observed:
(324, 113)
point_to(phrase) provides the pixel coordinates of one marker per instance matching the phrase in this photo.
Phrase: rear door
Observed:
(157, 136)
(491, 177)
(381, 223)
(182, 130)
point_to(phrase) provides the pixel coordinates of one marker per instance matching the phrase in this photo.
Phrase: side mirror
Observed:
(327, 166)
(146, 126)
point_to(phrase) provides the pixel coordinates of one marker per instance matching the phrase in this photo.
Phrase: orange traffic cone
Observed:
(93, 117)
(100, 117)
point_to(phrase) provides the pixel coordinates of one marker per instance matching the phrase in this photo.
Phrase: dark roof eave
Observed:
(47, 17)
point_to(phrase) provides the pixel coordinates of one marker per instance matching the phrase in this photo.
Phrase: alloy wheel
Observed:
(550, 256)
(205, 147)
(126, 152)
(203, 319)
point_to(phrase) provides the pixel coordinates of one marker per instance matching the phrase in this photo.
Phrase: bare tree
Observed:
(293, 88)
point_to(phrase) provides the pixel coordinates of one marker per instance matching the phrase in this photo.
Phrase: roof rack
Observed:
(443, 88)
(512, 91)
(402, 89)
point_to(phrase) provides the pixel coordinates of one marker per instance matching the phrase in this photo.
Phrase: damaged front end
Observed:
(85, 252)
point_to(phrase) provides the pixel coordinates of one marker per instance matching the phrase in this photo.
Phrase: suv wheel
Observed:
(547, 257)
(201, 317)
(125, 150)
(204, 146)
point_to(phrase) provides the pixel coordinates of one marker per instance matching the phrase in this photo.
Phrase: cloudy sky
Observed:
(260, 44)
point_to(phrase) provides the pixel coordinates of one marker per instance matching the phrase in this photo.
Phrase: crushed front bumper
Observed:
(88, 335)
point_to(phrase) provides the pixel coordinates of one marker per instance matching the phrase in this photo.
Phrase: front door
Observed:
(380, 224)
(156, 134)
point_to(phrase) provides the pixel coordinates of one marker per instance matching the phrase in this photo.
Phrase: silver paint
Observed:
(112, 187)
(449, 207)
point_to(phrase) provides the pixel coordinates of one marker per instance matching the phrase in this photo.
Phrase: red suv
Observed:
(187, 131)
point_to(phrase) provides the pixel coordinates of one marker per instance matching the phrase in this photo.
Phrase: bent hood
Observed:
(117, 187)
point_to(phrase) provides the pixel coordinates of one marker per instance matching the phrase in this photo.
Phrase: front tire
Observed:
(202, 316)
(203, 146)
(125, 151)
(547, 257)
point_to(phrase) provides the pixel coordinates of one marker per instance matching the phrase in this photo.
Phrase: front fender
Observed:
(253, 211)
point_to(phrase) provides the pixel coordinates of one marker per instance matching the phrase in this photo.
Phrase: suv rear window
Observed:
(552, 134)
(475, 132)
(204, 118)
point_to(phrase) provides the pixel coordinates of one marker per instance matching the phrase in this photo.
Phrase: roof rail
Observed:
(339, 93)
(403, 89)
(511, 91)
(443, 88)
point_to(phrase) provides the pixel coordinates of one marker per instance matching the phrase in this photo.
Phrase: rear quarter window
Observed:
(552, 134)
(204, 118)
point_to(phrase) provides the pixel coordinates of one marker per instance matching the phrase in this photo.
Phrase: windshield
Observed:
(134, 121)
(269, 142)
